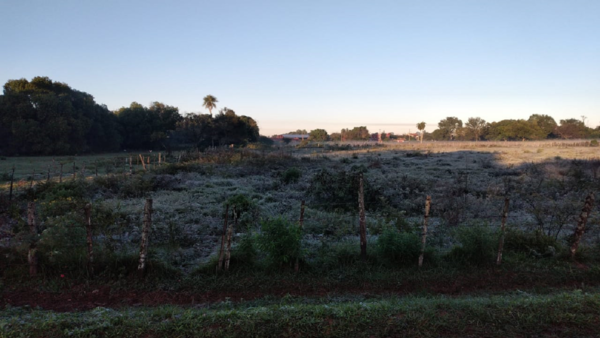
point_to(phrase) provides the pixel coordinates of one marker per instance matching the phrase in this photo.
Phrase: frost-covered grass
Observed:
(573, 314)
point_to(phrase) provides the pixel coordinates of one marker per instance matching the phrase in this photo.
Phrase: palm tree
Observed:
(421, 127)
(210, 103)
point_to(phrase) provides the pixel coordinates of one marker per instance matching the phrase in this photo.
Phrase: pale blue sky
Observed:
(318, 64)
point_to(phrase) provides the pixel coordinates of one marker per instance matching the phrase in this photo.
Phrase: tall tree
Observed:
(210, 102)
(421, 127)
(546, 123)
(318, 135)
(572, 128)
(475, 126)
(449, 126)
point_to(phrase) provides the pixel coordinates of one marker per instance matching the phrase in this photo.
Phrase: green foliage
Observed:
(318, 135)
(477, 245)
(247, 210)
(42, 117)
(594, 143)
(536, 244)
(280, 240)
(338, 190)
(356, 133)
(398, 248)
(291, 175)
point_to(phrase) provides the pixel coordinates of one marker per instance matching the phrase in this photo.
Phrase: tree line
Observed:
(45, 117)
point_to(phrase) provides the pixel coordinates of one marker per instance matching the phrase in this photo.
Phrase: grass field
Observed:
(458, 292)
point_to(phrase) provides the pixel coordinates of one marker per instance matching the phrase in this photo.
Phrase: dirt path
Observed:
(85, 297)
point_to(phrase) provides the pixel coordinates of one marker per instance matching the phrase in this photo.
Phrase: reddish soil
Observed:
(82, 297)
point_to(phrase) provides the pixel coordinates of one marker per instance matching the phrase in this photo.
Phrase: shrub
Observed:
(280, 240)
(477, 245)
(396, 247)
(338, 190)
(291, 175)
(536, 243)
(246, 209)
(594, 143)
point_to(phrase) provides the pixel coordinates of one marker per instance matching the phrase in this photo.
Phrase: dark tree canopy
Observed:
(318, 135)
(43, 117)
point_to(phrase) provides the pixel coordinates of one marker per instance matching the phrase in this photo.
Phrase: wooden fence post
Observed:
(130, 166)
(424, 236)
(221, 251)
(96, 168)
(83, 171)
(583, 217)
(48, 176)
(31, 255)
(144, 241)
(300, 225)
(88, 221)
(143, 164)
(12, 178)
(74, 171)
(361, 219)
(502, 232)
(159, 159)
(229, 234)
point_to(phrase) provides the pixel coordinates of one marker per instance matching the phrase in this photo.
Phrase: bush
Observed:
(398, 248)
(246, 209)
(536, 243)
(280, 240)
(338, 190)
(291, 175)
(594, 143)
(477, 245)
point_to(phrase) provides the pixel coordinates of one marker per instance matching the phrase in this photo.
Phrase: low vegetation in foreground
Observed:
(292, 219)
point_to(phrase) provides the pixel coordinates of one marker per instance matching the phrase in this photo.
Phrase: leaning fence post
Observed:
(300, 224)
(361, 218)
(583, 217)
(143, 164)
(31, 255)
(88, 221)
(229, 234)
(221, 251)
(424, 236)
(502, 232)
(145, 231)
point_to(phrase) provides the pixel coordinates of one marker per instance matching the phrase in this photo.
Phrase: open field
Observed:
(546, 184)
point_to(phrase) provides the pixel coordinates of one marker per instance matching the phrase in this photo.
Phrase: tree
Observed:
(449, 126)
(545, 123)
(356, 133)
(571, 128)
(210, 102)
(45, 117)
(475, 126)
(318, 135)
(421, 127)
(515, 130)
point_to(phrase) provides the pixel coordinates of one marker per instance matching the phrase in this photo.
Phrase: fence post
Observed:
(96, 168)
(502, 232)
(424, 236)
(221, 251)
(229, 234)
(83, 171)
(31, 255)
(74, 171)
(88, 220)
(12, 177)
(300, 224)
(142, 159)
(361, 218)
(583, 217)
(144, 241)
(130, 166)
(159, 160)
(48, 176)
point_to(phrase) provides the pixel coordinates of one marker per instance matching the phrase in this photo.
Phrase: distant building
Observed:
(291, 137)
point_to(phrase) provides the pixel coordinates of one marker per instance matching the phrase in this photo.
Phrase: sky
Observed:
(323, 64)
